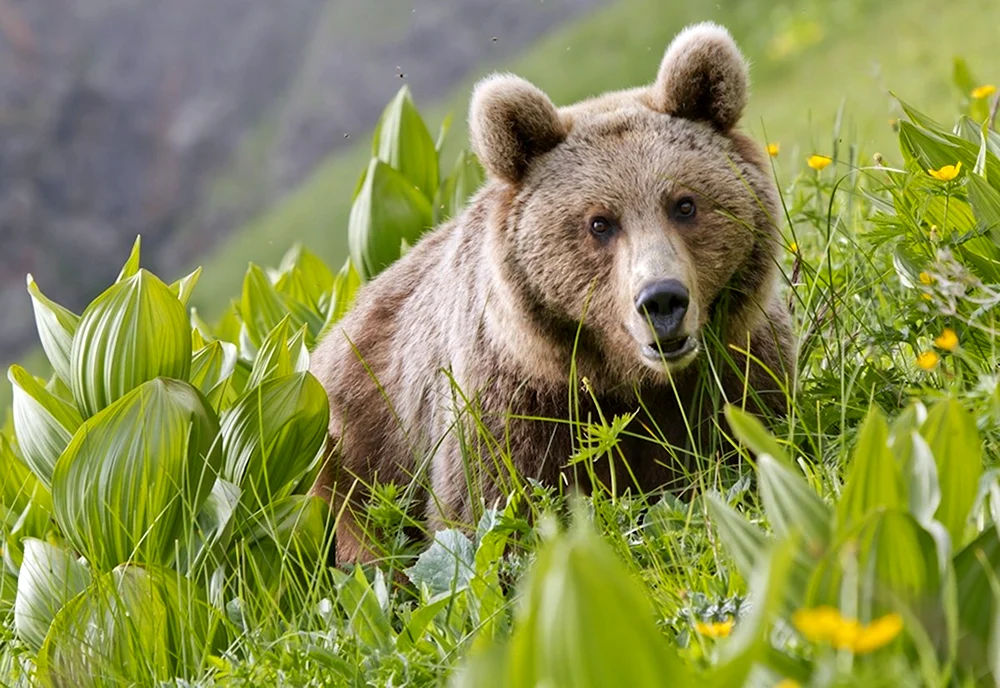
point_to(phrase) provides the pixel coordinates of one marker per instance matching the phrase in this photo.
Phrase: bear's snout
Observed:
(664, 303)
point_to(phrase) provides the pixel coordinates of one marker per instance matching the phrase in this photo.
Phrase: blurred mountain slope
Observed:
(181, 119)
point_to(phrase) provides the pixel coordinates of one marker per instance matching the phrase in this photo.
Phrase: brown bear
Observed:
(617, 244)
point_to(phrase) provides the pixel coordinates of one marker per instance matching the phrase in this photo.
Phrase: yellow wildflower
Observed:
(793, 247)
(878, 633)
(984, 91)
(824, 624)
(926, 297)
(818, 624)
(818, 162)
(946, 173)
(773, 149)
(926, 278)
(928, 360)
(787, 683)
(947, 340)
(714, 629)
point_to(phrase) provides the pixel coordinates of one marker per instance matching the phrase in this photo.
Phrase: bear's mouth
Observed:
(669, 350)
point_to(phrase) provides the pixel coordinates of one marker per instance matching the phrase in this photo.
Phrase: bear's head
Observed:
(641, 212)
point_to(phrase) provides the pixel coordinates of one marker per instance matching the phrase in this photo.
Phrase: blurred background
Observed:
(223, 131)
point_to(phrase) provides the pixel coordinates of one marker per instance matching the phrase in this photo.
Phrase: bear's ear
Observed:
(511, 122)
(703, 76)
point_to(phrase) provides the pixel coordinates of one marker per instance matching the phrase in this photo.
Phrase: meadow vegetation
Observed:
(157, 530)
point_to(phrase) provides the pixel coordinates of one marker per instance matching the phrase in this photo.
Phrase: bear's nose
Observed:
(664, 303)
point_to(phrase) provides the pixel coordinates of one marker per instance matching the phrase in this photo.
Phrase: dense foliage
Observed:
(157, 528)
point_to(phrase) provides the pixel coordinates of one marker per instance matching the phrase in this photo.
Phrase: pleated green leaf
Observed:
(272, 434)
(48, 579)
(260, 307)
(874, 479)
(745, 542)
(131, 266)
(25, 503)
(586, 622)
(184, 287)
(387, 212)
(345, 288)
(403, 142)
(130, 482)
(316, 277)
(952, 436)
(56, 327)
(464, 180)
(212, 372)
(139, 625)
(43, 422)
(135, 331)
(213, 529)
(278, 355)
(791, 505)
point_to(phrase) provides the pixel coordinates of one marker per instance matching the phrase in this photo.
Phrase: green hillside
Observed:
(807, 62)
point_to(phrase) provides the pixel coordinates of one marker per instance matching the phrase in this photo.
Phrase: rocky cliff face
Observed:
(116, 115)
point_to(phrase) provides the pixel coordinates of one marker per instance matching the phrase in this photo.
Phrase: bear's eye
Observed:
(685, 208)
(601, 226)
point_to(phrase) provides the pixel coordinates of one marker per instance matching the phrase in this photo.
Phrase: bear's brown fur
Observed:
(450, 360)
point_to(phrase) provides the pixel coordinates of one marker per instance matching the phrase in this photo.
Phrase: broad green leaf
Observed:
(131, 266)
(752, 432)
(419, 621)
(212, 369)
(56, 327)
(586, 622)
(345, 288)
(448, 565)
(315, 277)
(985, 202)
(933, 150)
(44, 423)
(48, 579)
(184, 287)
(485, 668)
(272, 435)
(977, 607)
(443, 133)
(464, 180)
(363, 611)
(387, 211)
(201, 329)
(897, 558)
(227, 327)
(261, 306)
(873, 480)
(132, 333)
(278, 355)
(951, 433)
(213, 528)
(139, 625)
(132, 479)
(25, 503)
(923, 489)
(403, 142)
(768, 587)
(745, 543)
(792, 506)
(885, 559)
